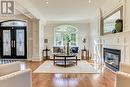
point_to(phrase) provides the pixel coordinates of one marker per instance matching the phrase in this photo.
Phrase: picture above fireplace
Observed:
(112, 58)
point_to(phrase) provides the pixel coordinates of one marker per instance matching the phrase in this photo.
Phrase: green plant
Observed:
(67, 38)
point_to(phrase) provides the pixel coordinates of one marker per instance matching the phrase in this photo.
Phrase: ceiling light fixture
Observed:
(47, 2)
(89, 1)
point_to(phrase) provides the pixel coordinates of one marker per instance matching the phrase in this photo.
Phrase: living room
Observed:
(60, 43)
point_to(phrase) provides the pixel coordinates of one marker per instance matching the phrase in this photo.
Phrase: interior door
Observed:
(13, 43)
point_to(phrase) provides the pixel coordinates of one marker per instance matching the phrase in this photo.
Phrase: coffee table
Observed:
(65, 59)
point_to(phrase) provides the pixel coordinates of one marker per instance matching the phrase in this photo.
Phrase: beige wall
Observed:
(41, 38)
(83, 32)
(35, 39)
(38, 38)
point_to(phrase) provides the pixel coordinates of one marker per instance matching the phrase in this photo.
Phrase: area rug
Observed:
(81, 67)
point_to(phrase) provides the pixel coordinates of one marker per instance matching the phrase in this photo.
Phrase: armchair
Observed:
(58, 50)
(11, 75)
(123, 76)
(74, 49)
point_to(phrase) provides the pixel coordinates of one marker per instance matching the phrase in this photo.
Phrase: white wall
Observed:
(126, 15)
(83, 32)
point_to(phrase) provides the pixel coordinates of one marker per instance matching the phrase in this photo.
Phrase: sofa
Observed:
(11, 75)
(123, 76)
(62, 50)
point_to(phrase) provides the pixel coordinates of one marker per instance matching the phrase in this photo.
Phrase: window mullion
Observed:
(62, 39)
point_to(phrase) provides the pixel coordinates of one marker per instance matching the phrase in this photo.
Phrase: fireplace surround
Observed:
(112, 58)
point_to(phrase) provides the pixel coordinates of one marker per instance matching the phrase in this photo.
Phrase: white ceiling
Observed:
(21, 10)
(64, 10)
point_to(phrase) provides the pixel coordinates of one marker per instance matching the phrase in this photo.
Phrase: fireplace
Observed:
(112, 58)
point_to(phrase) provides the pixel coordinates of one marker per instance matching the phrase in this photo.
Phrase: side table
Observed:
(84, 54)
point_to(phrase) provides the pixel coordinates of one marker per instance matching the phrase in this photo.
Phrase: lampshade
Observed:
(45, 40)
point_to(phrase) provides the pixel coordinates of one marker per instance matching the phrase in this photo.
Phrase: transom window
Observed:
(15, 23)
(65, 34)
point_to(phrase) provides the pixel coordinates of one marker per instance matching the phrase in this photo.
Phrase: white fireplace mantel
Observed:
(119, 41)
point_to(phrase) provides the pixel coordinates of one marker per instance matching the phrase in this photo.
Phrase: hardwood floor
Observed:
(105, 79)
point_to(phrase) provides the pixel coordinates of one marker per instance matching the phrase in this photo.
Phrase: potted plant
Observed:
(67, 37)
(118, 26)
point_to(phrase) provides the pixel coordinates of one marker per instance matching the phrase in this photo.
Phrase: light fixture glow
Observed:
(89, 1)
(47, 2)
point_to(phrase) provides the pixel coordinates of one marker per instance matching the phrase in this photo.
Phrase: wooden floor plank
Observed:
(105, 79)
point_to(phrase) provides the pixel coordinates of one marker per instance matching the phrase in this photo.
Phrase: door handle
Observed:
(12, 44)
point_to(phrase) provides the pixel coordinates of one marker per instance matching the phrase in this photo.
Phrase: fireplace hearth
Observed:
(112, 58)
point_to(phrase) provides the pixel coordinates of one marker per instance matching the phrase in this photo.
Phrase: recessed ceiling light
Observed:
(89, 1)
(47, 2)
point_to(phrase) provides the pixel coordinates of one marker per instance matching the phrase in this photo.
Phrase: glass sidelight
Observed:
(20, 51)
(7, 42)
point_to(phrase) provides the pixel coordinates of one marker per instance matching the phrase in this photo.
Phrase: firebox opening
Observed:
(112, 58)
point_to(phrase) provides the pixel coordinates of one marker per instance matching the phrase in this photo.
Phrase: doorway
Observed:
(13, 43)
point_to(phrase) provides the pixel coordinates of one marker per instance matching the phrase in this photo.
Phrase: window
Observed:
(14, 23)
(65, 34)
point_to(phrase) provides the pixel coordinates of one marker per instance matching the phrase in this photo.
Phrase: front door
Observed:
(13, 42)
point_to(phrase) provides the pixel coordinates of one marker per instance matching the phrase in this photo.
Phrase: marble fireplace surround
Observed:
(120, 41)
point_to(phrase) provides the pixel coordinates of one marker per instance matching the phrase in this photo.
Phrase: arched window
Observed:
(65, 33)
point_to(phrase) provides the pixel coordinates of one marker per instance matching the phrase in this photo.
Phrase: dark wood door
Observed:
(13, 42)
